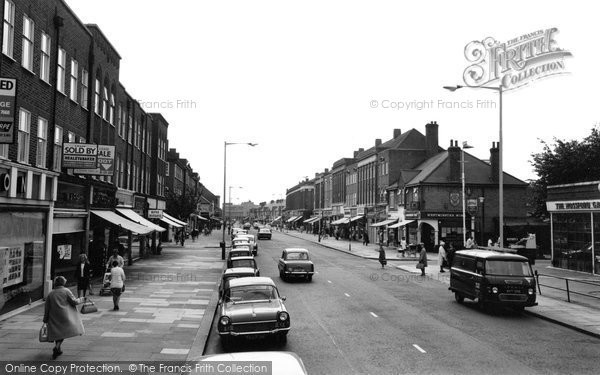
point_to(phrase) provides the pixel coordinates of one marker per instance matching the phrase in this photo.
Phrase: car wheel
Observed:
(459, 297)
(309, 278)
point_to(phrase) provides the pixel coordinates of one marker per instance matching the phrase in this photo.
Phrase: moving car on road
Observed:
(492, 277)
(264, 233)
(252, 306)
(296, 262)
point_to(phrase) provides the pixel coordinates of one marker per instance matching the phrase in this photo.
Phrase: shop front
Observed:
(575, 226)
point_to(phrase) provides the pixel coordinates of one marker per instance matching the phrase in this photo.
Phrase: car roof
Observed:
(239, 270)
(242, 257)
(269, 229)
(491, 254)
(282, 362)
(245, 281)
(295, 250)
(240, 249)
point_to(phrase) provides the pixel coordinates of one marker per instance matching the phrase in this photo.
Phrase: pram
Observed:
(105, 290)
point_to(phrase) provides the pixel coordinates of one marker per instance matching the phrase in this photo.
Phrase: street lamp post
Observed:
(229, 214)
(225, 144)
(501, 172)
(462, 174)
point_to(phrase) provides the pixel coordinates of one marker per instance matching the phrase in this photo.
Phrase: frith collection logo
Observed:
(514, 63)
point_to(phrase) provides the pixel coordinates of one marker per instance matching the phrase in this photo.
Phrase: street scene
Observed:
(320, 188)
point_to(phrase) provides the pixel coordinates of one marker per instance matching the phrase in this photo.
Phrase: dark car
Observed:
(296, 262)
(234, 273)
(264, 233)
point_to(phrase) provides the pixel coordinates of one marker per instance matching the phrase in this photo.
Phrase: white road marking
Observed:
(374, 315)
(419, 348)
(347, 295)
(329, 281)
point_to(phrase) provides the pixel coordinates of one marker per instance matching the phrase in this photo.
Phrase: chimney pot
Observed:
(361, 149)
(431, 139)
(378, 142)
(397, 133)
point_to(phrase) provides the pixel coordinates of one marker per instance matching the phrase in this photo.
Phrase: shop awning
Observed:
(277, 218)
(113, 217)
(312, 220)
(133, 216)
(297, 218)
(199, 217)
(344, 220)
(385, 222)
(291, 219)
(356, 218)
(400, 224)
(176, 221)
(171, 223)
(216, 219)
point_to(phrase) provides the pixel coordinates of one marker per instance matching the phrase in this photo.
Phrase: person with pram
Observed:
(115, 257)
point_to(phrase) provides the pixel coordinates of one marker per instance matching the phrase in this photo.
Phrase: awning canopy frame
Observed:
(133, 216)
(114, 218)
(384, 222)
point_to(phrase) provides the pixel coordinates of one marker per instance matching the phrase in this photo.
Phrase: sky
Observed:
(312, 81)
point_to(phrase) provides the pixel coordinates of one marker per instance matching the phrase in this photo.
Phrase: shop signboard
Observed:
(64, 252)
(106, 162)
(578, 205)
(441, 215)
(155, 214)
(472, 206)
(80, 155)
(8, 91)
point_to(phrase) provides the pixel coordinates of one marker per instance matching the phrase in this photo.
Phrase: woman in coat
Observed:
(382, 256)
(442, 256)
(83, 273)
(422, 257)
(61, 315)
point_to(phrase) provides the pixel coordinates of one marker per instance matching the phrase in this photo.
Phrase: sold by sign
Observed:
(106, 162)
(8, 91)
(80, 155)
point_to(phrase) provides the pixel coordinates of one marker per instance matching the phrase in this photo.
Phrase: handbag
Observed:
(420, 265)
(44, 333)
(88, 307)
(123, 289)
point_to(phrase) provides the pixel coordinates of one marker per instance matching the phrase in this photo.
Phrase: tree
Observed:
(185, 204)
(564, 162)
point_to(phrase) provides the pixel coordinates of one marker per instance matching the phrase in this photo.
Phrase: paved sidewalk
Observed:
(583, 314)
(168, 301)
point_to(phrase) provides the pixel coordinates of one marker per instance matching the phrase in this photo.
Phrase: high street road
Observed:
(355, 317)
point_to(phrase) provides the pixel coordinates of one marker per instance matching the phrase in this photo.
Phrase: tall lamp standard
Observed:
(462, 177)
(500, 146)
(225, 144)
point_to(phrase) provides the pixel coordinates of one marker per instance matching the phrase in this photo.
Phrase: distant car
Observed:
(234, 273)
(247, 226)
(252, 240)
(247, 261)
(256, 225)
(242, 251)
(240, 240)
(264, 233)
(287, 363)
(252, 306)
(296, 262)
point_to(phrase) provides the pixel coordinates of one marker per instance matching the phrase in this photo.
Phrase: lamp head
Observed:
(252, 144)
(452, 88)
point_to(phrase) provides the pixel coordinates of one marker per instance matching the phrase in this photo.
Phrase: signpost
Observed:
(8, 91)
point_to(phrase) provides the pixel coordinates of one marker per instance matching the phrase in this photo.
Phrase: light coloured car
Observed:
(247, 261)
(252, 240)
(287, 363)
(252, 306)
(234, 273)
(241, 251)
(296, 262)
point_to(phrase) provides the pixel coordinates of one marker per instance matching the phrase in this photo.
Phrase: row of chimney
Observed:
(454, 156)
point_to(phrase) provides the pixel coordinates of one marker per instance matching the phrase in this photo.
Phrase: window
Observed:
(85, 78)
(28, 35)
(105, 104)
(42, 142)
(111, 111)
(128, 175)
(97, 97)
(60, 73)
(23, 139)
(130, 130)
(138, 134)
(134, 177)
(119, 119)
(121, 174)
(58, 141)
(73, 87)
(9, 28)
(3, 151)
(45, 58)
(143, 140)
(70, 137)
(167, 169)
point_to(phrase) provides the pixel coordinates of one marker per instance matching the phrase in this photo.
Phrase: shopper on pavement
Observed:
(61, 315)
(365, 238)
(382, 259)
(83, 274)
(117, 282)
(115, 258)
(442, 256)
(422, 257)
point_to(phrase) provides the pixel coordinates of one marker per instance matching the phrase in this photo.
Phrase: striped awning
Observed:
(385, 222)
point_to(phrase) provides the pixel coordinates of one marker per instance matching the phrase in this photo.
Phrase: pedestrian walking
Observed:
(61, 315)
(83, 274)
(402, 248)
(442, 256)
(182, 238)
(115, 258)
(117, 283)
(422, 258)
(365, 238)
(490, 242)
(382, 259)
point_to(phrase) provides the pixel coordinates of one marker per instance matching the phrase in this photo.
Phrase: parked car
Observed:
(264, 233)
(287, 363)
(247, 261)
(234, 273)
(247, 226)
(252, 240)
(296, 262)
(242, 251)
(252, 306)
(492, 277)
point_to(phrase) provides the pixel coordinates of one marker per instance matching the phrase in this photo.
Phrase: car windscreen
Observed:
(507, 268)
(242, 263)
(251, 293)
(240, 253)
(297, 256)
